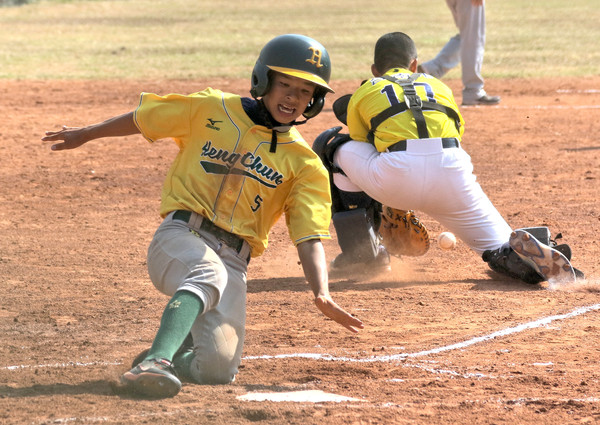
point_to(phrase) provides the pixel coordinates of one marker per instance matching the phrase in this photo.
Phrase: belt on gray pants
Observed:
(231, 240)
(447, 142)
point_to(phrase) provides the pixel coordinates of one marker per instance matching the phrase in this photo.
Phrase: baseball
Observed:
(446, 241)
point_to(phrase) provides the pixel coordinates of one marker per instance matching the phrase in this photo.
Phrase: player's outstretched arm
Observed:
(73, 137)
(312, 257)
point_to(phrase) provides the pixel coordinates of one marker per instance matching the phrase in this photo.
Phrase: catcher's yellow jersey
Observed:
(378, 94)
(225, 172)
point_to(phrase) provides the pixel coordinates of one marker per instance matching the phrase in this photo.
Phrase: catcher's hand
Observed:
(403, 233)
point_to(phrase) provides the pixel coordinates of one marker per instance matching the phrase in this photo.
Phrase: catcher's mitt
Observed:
(403, 233)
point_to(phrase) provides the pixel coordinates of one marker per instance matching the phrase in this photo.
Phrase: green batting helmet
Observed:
(298, 56)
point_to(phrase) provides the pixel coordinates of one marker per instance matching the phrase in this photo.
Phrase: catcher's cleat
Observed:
(550, 263)
(564, 249)
(346, 263)
(153, 378)
(506, 261)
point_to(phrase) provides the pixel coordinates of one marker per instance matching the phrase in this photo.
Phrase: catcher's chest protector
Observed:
(413, 103)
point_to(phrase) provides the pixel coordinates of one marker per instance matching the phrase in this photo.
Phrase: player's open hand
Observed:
(330, 309)
(72, 138)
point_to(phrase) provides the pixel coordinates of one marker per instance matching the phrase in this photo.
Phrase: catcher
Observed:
(404, 151)
(367, 231)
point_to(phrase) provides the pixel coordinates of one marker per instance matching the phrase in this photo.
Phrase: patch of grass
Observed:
(200, 38)
(11, 3)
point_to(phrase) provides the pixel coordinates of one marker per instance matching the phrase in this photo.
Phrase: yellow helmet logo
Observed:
(315, 58)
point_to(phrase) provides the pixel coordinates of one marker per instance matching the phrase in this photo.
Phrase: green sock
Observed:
(175, 324)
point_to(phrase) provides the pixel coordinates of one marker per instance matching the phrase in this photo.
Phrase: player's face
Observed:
(288, 97)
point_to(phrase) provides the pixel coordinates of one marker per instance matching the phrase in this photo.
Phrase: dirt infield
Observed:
(445, 342)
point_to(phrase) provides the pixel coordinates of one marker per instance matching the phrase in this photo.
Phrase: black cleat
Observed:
(550, 263)
(154, 378)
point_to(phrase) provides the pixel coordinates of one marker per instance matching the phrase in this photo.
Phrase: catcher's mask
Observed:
(297, 56)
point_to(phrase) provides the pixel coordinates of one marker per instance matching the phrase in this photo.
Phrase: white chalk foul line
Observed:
(534, 106)
(588, 91)
(328, 357)
(516, 329)
(57, 365)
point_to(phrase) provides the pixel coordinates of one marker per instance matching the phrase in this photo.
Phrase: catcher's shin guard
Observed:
(357, 218)
(356, 235)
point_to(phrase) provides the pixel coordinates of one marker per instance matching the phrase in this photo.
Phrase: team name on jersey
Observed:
(260, 172)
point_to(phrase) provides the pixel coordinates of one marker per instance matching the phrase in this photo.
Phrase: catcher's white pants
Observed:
(426, 177)
(180, 259)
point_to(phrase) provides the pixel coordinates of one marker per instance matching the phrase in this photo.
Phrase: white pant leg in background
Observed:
(179, 259)
(445, 60)
(439, 182)
(470, 21)
(466, 48)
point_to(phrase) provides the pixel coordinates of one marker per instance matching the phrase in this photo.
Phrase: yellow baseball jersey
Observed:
(225, 172)
(378, 94)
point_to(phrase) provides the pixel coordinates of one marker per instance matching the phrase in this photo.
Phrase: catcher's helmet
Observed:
(298, 56)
